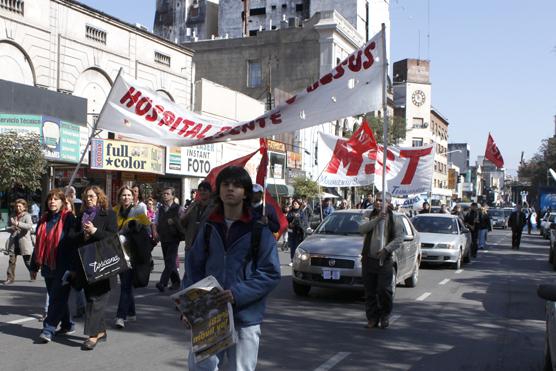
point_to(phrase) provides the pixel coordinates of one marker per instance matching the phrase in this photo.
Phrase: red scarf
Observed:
(47, 243)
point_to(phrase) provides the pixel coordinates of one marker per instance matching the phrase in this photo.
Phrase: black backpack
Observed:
(255, 242)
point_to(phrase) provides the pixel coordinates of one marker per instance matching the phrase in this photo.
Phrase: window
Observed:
(284, 6)
(162, 59)
(95, 34)
(417, 123)
(15, 6)
(257, 11)
(417, 142)
(298, 7)
(254, 74)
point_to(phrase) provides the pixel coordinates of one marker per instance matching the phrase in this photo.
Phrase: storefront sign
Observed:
(276, 146)
(195, 161)
(63, 141)
(126, 156)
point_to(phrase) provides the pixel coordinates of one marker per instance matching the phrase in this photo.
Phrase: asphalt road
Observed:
(485, 316)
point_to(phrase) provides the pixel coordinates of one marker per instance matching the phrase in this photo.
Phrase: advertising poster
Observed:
(195, 161)
(127, 156)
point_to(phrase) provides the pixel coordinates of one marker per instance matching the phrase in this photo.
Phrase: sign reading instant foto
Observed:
(126, 156)
(196, 161)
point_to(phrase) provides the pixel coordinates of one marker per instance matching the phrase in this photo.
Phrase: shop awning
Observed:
(280, 190)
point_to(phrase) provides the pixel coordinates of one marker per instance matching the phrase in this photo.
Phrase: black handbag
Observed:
(102, 259)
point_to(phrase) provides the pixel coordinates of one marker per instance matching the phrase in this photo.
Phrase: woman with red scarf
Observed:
(54, 255)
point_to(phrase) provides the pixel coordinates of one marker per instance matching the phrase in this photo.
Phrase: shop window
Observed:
(257, 11)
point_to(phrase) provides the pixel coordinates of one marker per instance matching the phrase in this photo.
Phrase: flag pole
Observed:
(384, 133)
(93, 133)
(264, 179)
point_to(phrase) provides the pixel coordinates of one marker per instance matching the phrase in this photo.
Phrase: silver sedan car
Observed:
(331, 256)
(444, 239)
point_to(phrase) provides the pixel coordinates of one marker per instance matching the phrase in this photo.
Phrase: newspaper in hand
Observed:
(212, 325)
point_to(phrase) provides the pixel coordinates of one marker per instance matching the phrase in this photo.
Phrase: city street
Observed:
(485, 316)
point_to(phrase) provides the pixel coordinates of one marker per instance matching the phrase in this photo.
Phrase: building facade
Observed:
(182, 21)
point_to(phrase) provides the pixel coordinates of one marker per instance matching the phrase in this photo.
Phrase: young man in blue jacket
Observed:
(227, 254)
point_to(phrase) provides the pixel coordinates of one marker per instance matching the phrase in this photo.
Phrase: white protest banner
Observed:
(351, 88)
(409, 170)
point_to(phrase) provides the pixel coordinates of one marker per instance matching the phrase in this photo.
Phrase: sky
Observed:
(492, 65)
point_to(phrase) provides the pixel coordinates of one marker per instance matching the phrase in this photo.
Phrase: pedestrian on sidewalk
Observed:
(170, 232)
(96, 222)
(130, 219)
(297, 227)
(19, 242)
(516, 222)
(377, 263)
(54, 256)
(247, 273)
(484, 226)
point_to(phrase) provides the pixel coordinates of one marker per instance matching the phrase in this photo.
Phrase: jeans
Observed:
(482, 238)
(126, 305)
(170, 272)
(241, 357)
(58, 309)
(377, 280)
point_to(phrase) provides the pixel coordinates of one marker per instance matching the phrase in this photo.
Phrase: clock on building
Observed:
(418, 98)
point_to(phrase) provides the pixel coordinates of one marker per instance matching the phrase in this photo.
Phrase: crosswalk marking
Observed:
(444, 281)
(423, 297)
(332, 361)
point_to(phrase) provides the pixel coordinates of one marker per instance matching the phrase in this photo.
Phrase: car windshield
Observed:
(496, 212)
(551, 218)
(507, 212)
(435, 225)
(340, 223)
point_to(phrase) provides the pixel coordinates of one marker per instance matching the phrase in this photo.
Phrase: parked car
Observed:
(331, 256)
(548, 293)
(552, 249)
(498, 218)
(444, 239)
(547, 221)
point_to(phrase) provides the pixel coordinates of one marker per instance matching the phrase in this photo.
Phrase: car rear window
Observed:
(495, 212)
(435, 225)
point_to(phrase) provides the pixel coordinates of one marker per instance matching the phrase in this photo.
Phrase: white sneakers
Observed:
(120, 323)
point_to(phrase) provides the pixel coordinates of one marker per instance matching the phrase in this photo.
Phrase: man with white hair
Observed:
(377, 264)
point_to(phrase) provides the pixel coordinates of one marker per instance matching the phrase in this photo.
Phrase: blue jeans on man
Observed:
(170, 272)
(241, 357)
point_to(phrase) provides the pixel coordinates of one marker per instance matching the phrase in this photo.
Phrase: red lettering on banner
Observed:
(176, 123)
(193, 132)
(249, 126)
(186, 124)
(414, 155)
(373, 155)
(326, 79)
(313, 87)
(355, 62)
(167, 118)
(291, 100)
(235, 131)
(143, 106)
(370, 58)
(276, 118)
(222, 132)
(340, 69)
(202, 134)
(345, 156)
(129, 99)
(154, 113)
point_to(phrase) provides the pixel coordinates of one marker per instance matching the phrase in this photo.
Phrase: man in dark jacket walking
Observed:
(246, 273)
(269, 218)
(472, 222)
(170, 232)
(378, 266)
(516, 222)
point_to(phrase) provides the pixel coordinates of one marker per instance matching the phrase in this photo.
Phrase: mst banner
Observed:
(408, 170)
(353, 87)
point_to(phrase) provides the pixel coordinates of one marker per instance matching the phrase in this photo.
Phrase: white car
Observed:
(444, 239)
(546, 221)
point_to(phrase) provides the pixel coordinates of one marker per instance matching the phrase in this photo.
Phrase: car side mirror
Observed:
(309, 231)
(408, 238)
(465, 230)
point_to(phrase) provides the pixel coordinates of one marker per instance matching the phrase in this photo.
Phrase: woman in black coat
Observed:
(297, 225)
(96, 222)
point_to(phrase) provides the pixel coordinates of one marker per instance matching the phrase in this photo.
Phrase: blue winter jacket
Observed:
(225, 259)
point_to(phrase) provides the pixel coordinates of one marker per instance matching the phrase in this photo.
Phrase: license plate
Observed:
(329, 274)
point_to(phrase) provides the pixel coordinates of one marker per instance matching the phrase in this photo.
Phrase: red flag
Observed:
(211, 177)
(492, 153)
(362, 139)
(269, 200)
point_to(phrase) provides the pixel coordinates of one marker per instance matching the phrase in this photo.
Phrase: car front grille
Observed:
(427, 245)
(332, 263)
(344, 280)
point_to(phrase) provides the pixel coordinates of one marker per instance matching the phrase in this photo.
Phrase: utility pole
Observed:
(245, 18)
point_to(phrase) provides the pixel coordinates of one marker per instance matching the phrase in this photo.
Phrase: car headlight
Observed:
(445, 246)
(301, 255)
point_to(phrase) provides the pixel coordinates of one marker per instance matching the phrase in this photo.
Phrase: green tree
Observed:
(305, 187)
(22, 162)
(396, 128)
(534, 172)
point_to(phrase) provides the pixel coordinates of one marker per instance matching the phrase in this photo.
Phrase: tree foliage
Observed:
(22, 161)
(535, 170)
(396, 128)
(305, 187)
